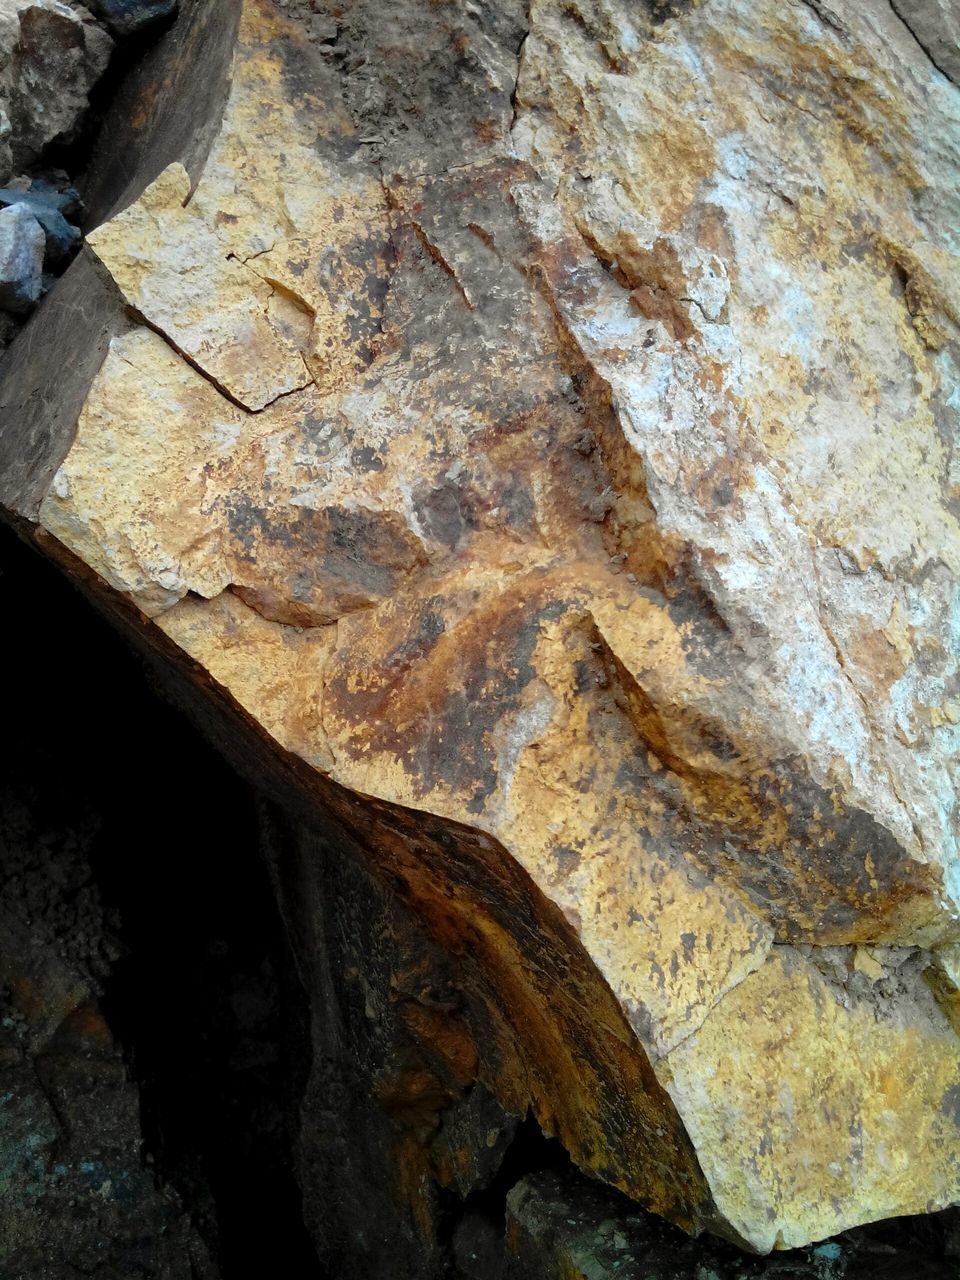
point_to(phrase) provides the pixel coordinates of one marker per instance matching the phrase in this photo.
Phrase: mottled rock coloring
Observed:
(543, 427)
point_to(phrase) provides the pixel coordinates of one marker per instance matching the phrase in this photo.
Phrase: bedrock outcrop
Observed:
(539, 423)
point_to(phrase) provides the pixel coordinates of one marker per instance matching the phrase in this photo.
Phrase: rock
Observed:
(56, 192)
(6, 155)
(128, 17)
(45, 203)
(935, 25)
(538, 451)
(51, 56)
(560, 1225)
(557, 1224)
(22, 245)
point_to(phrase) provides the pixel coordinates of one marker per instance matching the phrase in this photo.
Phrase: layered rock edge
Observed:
(541, 424)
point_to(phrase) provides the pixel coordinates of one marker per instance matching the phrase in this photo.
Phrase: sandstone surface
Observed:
(542, 423)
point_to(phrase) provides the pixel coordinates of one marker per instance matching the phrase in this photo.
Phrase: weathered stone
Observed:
(546, 426)
(6, 155)
(22, 245)
(559, 1225)
(76, 1196)
(51, 55)
(46, 205)
(127, 17)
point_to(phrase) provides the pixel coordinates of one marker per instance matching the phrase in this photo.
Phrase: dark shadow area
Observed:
(201, 992)
(129, 51)
(473, 1228)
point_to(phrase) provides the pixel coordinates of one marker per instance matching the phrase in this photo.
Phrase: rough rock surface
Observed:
(22, 245)
(128, 17)
(936, 26)
(49, 206)
(211, 1031)
(75, 1195)
(51, 56)
(542, 423)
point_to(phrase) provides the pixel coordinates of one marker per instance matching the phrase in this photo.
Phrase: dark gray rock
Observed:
(47, 204)
(22, 246)
(126, 17)
(58, 194)
(559, 1223)
(55, 56)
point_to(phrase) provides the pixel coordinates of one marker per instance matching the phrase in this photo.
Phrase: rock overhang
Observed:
(595, 495)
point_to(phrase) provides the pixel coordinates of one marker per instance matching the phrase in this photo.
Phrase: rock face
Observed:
(935, 24)
(541, 425)
(51, 56)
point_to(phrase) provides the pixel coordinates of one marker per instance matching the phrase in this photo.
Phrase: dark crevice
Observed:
(826, 15)
(207, 1002)
(899, 9)
(472, 1227)
(139, 318)
(514, 107)
(200, 994)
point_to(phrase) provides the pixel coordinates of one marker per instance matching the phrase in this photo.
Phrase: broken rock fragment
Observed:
(48, 205)
(22, 245)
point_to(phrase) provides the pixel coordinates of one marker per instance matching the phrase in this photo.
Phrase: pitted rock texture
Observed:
(51, 56)
(546, 421)
(21, 258)
(77, 1197)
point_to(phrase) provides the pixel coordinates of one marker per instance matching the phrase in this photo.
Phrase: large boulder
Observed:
(538, 431)
(51, 56)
